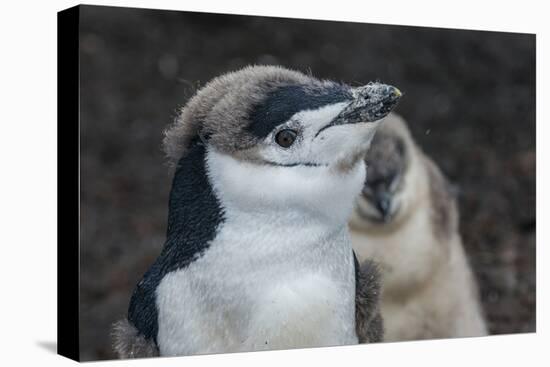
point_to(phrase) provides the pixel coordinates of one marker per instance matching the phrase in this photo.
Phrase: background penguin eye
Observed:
(285, 138)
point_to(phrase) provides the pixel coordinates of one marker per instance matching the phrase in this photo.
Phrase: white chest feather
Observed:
(274, 277)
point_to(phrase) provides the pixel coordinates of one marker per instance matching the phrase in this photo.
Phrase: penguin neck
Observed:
(283, 197)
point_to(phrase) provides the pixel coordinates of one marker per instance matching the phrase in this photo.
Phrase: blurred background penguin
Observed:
(406, 219)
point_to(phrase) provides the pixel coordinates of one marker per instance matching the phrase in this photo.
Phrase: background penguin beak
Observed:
(383, 205)
(372, 102)
(381, 200)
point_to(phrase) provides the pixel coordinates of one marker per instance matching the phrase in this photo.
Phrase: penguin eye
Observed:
(286, 137)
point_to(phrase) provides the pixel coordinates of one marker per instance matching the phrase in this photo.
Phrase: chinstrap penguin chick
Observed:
(258, 255)
(406, 219)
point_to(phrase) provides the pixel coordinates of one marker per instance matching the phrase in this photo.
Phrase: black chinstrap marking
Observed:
(194, 216)
(282, 103)
(297, 164)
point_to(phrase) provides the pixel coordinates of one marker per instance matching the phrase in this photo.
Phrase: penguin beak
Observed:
(371, 102)
(382, 202)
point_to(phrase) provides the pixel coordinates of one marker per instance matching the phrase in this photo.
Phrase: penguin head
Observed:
(280, 137)
(384, 194)
(318, 124)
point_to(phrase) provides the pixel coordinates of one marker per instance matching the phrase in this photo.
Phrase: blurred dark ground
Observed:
(469, 100)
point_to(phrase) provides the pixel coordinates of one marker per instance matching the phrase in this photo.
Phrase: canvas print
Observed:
(247, 183)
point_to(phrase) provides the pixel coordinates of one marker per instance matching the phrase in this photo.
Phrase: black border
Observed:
(68, 180)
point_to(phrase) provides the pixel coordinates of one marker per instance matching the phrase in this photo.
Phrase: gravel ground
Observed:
(469, 99)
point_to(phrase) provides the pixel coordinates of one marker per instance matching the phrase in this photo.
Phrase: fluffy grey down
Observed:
(368, 321)
(128, 343)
